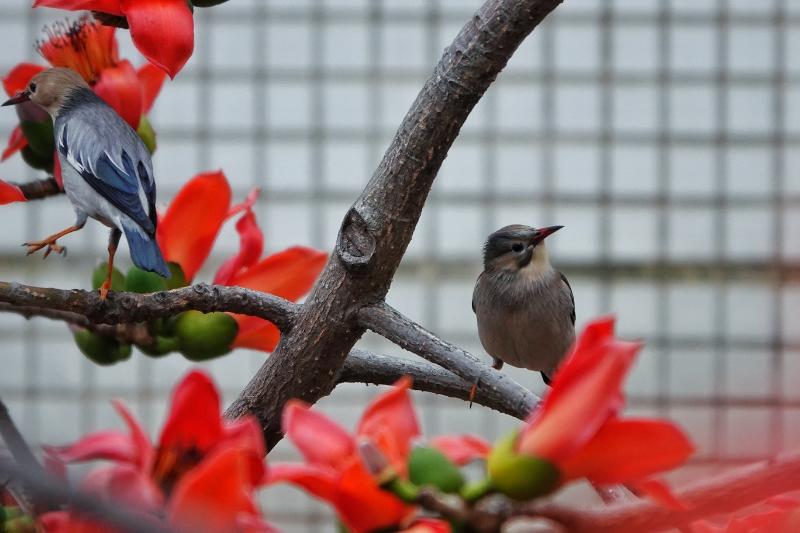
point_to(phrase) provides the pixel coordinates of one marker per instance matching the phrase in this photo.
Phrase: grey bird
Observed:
(525, 307)
(105, 167)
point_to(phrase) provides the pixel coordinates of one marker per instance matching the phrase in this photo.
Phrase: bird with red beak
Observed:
(525, 307)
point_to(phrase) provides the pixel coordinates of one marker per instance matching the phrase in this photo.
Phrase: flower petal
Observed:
(428, 525)
(10, 193)
(392, 414)
(212, 496)
(660, 492)
(162, 30)
(16, 142)
(586, 392)
(194, 417)
(104, 6)
(251, 244)
(248, 203)
(17, 79)
(320, 440)
(57, 171)
(319, 481)
(151, 78)
(112, 445)
(246, 432)
(256, 333)
(124, 484)
(143, 447)
(626, 450)
(462, 449)
(119, 87)
(190, 226)
(288, 274)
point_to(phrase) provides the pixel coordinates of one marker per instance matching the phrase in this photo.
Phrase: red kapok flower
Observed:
(186, 234)
(162, 30)
(334, 470)
(784, 517)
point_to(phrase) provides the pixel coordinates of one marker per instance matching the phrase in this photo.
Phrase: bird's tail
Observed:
(145, 252)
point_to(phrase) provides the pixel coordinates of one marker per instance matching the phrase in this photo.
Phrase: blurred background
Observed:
(665, 136)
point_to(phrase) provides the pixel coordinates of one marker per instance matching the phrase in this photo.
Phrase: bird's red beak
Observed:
(542, 233)
(24, 96)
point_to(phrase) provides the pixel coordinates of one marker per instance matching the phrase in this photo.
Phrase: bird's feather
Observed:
(109, 155)
(571, 297)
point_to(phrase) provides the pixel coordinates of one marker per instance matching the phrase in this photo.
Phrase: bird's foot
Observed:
(104, 288)
(472, 394)
(49, 243)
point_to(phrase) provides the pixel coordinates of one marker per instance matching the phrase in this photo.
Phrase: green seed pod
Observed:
(178, 278)
(142, 282)
(99, 276)
(147, 134)
(36, 161)
(100, 349)
(205, 336)
(429, 466)
(162, 347)
(39, 134)
(520, 477)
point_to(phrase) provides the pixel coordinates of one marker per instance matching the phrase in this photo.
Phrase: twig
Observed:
(39, 189)
(90, 506)
(387, 322)
(130, 307)
(367, 367)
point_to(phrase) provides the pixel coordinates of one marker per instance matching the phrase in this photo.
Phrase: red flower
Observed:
(462, 449)
(162, 30)
(577, 427)
(784, 517)
(186, 234)
(334, 470)
(203, 468)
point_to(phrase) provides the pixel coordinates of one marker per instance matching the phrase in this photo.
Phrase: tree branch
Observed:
(367, 367)
(129, 307)
(39, 189)
(377, 229)
(387, 322)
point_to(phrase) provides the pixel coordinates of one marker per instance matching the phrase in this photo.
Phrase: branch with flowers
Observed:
(206, 467)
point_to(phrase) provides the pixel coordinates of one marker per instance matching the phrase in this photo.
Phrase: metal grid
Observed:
(665, 135)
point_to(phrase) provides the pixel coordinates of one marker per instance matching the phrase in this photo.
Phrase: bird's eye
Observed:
(32, 87)
(517, 247)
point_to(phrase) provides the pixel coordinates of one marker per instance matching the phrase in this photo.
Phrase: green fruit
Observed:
(36, 161)
(23, 524)
(142, 282)
(162, 346)
(147, 134)
(178, 278)
(39, 134)
(99, 276)
(100, 349)
(205, 336)
(429, 466)
(520, 476)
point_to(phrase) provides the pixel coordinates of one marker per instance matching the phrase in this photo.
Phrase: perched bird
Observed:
(105, 167)
(525, 308)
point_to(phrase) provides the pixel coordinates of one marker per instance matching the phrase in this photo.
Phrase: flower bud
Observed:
(101, 349)
(36, 161)
(147, 134)
(203, 336)
(161, 347)
(429, 466)
(143, 282)
(99, 276)
(520, 477)
(39, 134)
(177, 279)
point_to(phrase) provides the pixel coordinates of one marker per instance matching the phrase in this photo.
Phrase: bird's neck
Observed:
(539, 266)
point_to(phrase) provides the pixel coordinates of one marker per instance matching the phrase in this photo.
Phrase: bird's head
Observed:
(518, 247)
(50, 89)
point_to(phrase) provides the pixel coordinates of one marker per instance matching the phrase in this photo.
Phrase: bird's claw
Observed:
(50, 245)
(104, 289)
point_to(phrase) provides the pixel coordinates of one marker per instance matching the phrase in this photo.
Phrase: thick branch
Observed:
(130, 307)
(367, 367)
(377, 229)
(387, 322)
(39, 189)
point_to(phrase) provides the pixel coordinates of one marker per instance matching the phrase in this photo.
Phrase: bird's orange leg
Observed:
(50, 242)
(112, 249)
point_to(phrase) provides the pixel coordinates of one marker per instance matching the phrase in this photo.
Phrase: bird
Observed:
(524, 307)
(105, 167)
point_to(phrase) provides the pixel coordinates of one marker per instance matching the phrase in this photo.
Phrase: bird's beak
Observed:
(542, 233)
(24, 96)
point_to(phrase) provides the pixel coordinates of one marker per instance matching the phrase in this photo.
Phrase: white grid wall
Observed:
(665, 136)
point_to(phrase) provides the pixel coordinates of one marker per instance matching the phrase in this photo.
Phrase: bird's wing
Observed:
(571, 297)
(112, 158)
(473, 292)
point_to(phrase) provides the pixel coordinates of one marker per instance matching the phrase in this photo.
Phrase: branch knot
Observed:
(356, 244)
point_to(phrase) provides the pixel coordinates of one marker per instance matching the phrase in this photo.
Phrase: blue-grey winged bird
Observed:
(105, 167)
(525, 308)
